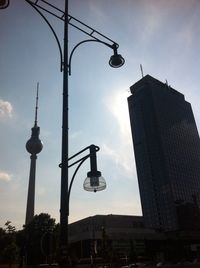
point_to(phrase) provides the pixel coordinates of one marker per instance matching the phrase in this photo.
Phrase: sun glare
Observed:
(119, 108)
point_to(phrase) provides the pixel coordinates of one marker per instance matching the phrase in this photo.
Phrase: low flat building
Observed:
(112, 236)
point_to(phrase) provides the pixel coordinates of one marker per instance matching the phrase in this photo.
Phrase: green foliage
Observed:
(8, 247)
(37, 238)
(35, 242)
(9, 228)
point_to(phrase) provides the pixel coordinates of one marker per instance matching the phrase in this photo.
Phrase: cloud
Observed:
(6, 109)
(4, 176)
(158, 17)
(122, 157)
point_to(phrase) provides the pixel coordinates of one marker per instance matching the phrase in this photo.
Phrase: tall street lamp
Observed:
(116, 60)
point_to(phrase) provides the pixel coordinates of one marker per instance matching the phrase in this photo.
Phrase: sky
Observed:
(162, 35)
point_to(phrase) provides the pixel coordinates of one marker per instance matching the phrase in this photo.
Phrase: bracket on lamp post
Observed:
(116, 60)
(94, 181)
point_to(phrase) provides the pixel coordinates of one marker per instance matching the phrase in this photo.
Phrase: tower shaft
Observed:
(31, 190)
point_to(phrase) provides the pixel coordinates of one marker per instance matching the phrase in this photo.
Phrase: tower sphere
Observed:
(34, 145)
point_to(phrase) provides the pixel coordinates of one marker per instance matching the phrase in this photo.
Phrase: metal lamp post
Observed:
(93, 180)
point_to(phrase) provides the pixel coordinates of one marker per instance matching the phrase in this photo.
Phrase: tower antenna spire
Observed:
(141, 69)
(36, 105)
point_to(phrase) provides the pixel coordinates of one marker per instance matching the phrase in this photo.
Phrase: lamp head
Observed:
(94, 182)
(4, 4)
(116, 60)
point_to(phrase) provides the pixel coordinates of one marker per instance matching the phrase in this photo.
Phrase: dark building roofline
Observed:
(148, 79)
(135, 217)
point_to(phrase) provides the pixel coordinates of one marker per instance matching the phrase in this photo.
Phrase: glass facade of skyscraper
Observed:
(167, 152)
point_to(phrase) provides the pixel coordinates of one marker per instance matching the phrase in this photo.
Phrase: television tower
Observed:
(33, 146)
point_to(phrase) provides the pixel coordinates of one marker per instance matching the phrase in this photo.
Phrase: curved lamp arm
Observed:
(116, 60)
(114, 46)
(92, 155)
(53, 31)
(94, 182)
(73, 177)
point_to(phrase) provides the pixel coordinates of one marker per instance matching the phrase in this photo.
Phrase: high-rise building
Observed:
(33, 146)
(167, 153)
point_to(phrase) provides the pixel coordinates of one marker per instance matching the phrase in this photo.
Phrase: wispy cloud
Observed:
(4, 176)
(121, 156)
(158, 16)
(6, 109)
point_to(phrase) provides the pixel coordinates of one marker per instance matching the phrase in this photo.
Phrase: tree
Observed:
(3, 243)
(36, 237)
(8, 246)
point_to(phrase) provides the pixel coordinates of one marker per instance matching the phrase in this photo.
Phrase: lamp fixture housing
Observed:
(94, 182)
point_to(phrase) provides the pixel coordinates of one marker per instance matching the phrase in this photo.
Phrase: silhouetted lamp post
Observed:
(94, 181)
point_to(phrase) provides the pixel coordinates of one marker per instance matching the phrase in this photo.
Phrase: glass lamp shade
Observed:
(116, 61)
(94, 182)
(4, 3)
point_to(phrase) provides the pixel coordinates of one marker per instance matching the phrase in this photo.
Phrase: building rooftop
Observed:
(148, 80)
